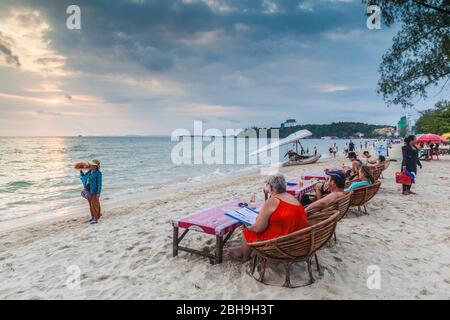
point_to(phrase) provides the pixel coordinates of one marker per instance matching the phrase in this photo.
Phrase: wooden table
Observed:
(212, 221)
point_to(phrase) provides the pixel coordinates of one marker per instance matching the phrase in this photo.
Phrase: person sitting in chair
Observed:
(336, 183)
(365, 178)
(280, 215)
(352, 172)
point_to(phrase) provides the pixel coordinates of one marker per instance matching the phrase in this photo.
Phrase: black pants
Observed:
(407, 187)
(305, 200)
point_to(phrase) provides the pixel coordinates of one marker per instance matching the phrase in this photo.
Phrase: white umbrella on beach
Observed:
(289, 139)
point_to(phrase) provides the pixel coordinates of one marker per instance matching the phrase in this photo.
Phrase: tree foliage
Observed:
(420, 55)
(435, 120)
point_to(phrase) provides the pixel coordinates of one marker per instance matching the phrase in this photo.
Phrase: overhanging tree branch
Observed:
(429, 6)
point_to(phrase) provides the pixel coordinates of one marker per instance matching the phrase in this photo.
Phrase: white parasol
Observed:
(289, 139)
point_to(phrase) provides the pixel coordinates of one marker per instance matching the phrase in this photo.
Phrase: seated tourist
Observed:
(336, 182)
(365, 178)
(368, 158)
(280, 215)
(352, 172)
(322, 189)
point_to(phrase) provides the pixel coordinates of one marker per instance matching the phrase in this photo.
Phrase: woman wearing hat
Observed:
(93, 182)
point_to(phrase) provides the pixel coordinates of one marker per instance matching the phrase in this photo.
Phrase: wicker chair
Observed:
(362, 195)
(376, 171)
(342, 205)
(385, 166)
(301, 245)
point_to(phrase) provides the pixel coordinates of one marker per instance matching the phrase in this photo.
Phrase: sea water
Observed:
(37, 175)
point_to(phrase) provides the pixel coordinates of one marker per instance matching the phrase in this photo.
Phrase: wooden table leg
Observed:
(219, 249)
(175, 241)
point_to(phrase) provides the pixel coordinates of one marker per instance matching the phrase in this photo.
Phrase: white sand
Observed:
(129, 254)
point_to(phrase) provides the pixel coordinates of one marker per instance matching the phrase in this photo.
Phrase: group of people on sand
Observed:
(283, 213)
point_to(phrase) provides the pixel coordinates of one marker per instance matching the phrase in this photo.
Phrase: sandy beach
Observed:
(128, 255)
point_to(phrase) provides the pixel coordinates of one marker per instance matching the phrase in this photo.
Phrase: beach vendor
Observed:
(410, 162)
(92, 184)
(280, 215)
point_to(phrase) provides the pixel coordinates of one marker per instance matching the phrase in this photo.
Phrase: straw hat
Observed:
(95, 163)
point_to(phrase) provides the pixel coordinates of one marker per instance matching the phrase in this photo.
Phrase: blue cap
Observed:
(338, 177)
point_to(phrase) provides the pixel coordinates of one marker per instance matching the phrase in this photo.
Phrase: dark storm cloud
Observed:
(258, 61)
(6, 51)
(155, 34)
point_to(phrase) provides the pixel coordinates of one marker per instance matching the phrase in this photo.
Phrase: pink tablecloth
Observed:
(296, 190)
(211, 220)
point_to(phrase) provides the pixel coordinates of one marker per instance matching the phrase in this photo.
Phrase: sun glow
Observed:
(24, 32)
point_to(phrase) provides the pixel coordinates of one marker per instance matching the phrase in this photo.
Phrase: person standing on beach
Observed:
(351, 146)
(335, 150)
(410, 161)
(346, 149)
(92, 180)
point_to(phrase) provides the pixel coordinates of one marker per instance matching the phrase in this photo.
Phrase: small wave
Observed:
(13, 186)
(79, 148)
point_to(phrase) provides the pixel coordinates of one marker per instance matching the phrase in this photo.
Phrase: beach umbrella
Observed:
(431, 138)
(289, 139)
(446, 136)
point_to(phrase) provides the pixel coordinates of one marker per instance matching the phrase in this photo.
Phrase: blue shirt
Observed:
(93, 179)
(358, 184)
(84, 178)
(95, 182)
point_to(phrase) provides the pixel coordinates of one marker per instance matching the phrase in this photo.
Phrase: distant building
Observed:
(385, 132)
(289, 123)
(402, 126)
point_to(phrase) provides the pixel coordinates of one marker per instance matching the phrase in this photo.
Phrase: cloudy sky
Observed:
(151, 66)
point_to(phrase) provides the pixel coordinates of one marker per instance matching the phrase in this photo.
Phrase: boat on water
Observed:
(295, 158)
(306, 160)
